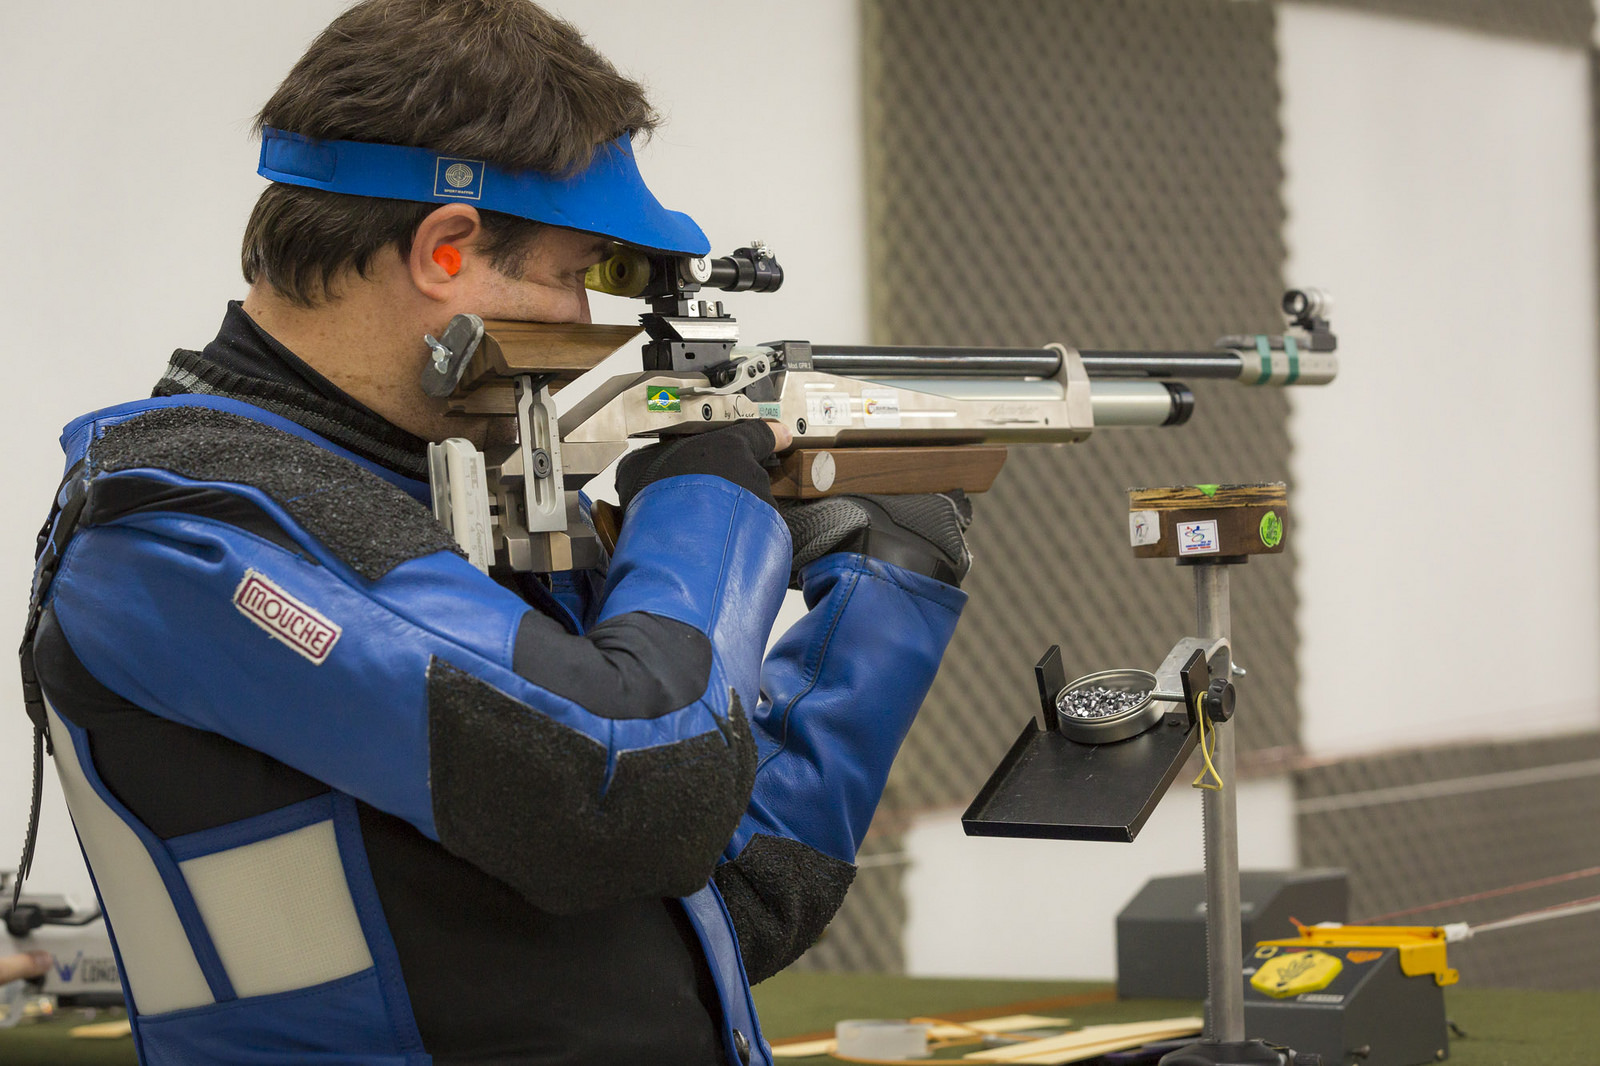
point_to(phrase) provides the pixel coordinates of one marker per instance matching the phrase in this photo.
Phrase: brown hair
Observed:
(499, 80)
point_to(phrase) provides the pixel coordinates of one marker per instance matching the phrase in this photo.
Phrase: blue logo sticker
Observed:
(458, 178)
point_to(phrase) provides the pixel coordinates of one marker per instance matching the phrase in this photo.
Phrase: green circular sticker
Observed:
(1271, 529)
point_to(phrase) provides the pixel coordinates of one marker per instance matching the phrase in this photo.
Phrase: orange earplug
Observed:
(448, 257)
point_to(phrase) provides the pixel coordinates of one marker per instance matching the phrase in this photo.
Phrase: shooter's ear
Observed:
(441, 249)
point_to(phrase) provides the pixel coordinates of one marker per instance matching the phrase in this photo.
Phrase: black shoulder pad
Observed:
(366, 522)
(528, 800)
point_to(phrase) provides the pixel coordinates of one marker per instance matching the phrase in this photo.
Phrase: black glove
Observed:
(923, 534)
(733, 452)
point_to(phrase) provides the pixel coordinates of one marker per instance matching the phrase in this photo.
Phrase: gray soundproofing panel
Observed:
(1421, 827)
(1103, 173)
(1555, 21)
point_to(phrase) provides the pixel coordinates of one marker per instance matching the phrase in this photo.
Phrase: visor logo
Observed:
(458, 178)
(287, 619)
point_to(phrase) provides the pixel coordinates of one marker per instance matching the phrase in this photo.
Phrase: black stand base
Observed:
(1245, 1053)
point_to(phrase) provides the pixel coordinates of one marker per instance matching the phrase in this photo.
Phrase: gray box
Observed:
(1370, 1014)
(1161, 933)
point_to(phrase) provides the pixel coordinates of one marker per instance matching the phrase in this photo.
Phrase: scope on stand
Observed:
(1102, 750)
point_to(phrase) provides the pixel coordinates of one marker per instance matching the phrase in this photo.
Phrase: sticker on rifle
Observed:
(1198, 538)
(261, 600)
(661, 399)
(772, 411)
(880, 407)
(823, 471)
(1144, 527)
(828, 408)
(1271, 529)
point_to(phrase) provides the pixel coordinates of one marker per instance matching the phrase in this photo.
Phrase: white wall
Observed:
(993, 907)
(131, 175)
(762, 140)
(128, 183)
(1439, 184)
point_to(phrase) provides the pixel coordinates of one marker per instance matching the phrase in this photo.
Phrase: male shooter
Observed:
(345, 797)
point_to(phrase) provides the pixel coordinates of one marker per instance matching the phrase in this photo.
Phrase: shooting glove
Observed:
(924, 534)
(733, 452)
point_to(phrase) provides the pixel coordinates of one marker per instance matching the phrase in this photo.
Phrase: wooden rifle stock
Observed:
(811, 473)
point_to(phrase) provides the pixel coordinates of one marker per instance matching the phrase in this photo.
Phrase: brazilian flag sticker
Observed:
(661, 399)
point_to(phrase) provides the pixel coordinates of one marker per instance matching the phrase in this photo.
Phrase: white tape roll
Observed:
(879, 1038)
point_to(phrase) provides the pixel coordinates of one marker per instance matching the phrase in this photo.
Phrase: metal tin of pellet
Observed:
(1100, 701)
(1108, 706)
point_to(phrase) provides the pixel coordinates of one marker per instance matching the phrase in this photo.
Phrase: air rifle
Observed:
(865, 419)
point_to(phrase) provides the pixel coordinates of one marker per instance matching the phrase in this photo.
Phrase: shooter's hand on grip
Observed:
(734, 453)
(924, 534)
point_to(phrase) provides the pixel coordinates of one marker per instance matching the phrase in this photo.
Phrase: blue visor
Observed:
(609, 197)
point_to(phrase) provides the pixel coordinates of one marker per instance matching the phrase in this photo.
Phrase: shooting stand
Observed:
(1051, 786)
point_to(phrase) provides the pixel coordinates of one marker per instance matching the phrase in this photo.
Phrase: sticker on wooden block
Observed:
(1144, 527)
(1271, 529)
(1198, 538)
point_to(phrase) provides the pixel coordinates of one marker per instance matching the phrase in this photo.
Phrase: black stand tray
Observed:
(1053, 788)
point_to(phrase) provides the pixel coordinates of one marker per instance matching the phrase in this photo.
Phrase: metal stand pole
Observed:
(1224, 1043)
(1225, 970)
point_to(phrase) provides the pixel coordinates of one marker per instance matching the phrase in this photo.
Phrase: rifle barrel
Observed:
(896, 361)
(910, 361)
(1217, 363)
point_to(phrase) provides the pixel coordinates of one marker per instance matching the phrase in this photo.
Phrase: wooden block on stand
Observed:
(1198, 522)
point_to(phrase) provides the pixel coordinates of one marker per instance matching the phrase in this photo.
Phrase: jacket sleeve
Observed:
(326, 629)
(840, 691)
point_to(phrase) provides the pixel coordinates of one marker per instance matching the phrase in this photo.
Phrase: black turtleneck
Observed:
(248, 363)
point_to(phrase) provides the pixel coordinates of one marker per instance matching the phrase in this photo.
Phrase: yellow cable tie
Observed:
(1207, 745)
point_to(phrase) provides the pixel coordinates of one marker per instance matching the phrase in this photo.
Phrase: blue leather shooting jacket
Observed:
(236, 605)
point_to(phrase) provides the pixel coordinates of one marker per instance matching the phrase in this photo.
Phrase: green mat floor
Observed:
(1504, 1028)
